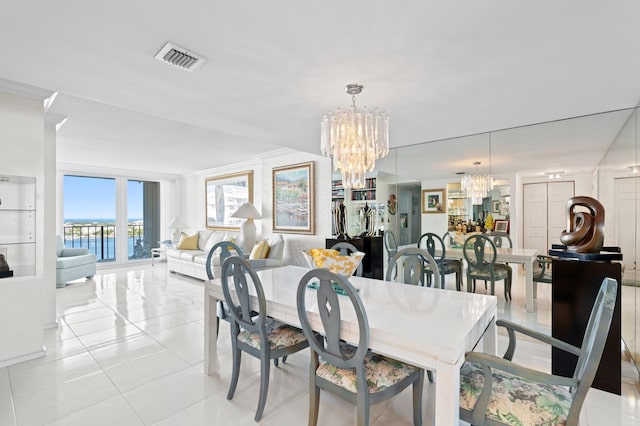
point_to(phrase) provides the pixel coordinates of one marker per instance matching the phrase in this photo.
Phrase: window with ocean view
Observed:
(91, 220)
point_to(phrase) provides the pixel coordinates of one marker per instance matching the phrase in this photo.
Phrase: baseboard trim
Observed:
(50, 325)
(23, 358)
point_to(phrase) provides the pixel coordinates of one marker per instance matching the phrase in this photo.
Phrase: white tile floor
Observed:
(129, 351)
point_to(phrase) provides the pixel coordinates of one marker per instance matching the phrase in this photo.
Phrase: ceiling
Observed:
(273, 68)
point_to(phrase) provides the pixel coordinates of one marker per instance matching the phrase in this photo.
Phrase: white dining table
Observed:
(525, 257)
(426, 327)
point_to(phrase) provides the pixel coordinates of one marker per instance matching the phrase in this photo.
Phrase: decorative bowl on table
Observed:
(331, 260)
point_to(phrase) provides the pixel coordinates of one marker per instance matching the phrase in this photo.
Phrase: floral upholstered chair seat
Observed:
(515, 400)
(280, 336)
(381, 372)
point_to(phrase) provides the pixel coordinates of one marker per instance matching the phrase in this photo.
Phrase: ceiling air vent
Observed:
(180, 57)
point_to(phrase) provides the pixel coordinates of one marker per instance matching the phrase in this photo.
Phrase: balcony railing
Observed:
(101, 240)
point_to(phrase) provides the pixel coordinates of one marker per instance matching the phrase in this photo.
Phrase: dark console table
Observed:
(372, 263)
(574, 289)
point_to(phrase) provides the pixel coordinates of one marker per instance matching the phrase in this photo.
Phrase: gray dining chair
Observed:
(346, 249)
(496, 391)
(480, 253)
(257, 335)
(353, 373)
(434, 244)
(407, 266)
(223, 250)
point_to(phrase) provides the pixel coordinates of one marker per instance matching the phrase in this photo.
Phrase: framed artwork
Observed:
(223, 196)
(495, 206)
(501, 225)
(433, 201)
(293, 199)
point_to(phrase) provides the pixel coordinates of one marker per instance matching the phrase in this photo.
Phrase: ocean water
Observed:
(104, 248)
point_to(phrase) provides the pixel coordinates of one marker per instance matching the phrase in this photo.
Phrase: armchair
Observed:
(496, 391)
(73, 263)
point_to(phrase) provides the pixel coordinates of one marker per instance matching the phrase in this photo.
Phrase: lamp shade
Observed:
(176, 223)
(247, 211)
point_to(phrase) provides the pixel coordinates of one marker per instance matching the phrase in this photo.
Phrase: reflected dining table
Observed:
(429, 328)
(523, 256)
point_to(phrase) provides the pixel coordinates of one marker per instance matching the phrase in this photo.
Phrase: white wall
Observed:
(25, 301)
(194, 206)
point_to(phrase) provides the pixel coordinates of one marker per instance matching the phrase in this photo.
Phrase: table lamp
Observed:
(176, 223)
(248, 228)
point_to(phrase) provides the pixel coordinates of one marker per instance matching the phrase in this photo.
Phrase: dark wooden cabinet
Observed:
(372, 263)
(575, 286)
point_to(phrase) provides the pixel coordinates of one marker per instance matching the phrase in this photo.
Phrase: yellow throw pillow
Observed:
(260, 250)
(231, 248)
(188, 242)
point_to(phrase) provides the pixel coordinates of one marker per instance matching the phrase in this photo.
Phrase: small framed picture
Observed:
(501, 225)
(495, 206)
(433, 201)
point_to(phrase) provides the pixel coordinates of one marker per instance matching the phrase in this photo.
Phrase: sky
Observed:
(95, 198)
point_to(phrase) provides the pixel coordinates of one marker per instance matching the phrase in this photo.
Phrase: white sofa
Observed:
(73, 263)
(193, 262)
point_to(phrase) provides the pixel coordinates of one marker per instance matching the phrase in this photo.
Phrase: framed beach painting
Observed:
(433, 201)
(293, 199)
(224, 195)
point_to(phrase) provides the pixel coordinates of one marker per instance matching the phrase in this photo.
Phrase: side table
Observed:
(158, 252)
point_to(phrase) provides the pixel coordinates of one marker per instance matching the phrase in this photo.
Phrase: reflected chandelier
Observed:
(354, 139)
(476, 186)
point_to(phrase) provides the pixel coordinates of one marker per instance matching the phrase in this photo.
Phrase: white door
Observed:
(626, 208)
(535, 217)
(558, 193)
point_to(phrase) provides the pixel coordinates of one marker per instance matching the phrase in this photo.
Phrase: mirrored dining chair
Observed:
(542, 269)
(390, 244)
(480, 254)
(496, 391)
(501, 239)
(257, 335)
(223, 250)
(435, 246)
(346, 249)
(353, 373)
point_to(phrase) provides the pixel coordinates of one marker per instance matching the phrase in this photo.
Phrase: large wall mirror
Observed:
(595, 155)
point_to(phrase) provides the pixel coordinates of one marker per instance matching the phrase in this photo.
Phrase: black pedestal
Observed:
(372, 262)
(575, 286)
(6, 274)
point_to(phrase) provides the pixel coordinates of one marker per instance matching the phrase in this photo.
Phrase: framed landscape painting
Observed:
(224, 195)
(433, 201)
(293, 199)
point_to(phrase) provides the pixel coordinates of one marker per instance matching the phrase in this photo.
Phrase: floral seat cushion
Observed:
(279, 335)
(515, 400)
(381, 372)
(500, 272)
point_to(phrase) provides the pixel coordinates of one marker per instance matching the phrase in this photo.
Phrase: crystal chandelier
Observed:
(476, 186)
(354, 139)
